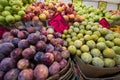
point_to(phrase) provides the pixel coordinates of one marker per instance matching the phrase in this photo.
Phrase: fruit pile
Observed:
(115, 12)
(12, 10)
(93, 44)
(31, 53)
(94, 15)
(115, 29)
(45, 11)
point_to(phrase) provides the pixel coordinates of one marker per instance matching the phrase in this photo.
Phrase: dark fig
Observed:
(54, 68)
(57, 56)
(6, 35)
(23, 44)
(1, 75)
(22, 34)
(63, 63)
(33, 38)
(65, 54)
(26, 74)
(28, 53)
(14, 32)
(41, 45)
(23, 64)
(16, 53)
(31, 29)
(47, 59)
(37, 57)
(7, 64)
(43, 38)
(49, 48)
(6, 48)
(41, 72)
(12, 74)
(15, 41)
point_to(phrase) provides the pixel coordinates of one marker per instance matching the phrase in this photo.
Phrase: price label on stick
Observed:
(58, 22)
(104, 23)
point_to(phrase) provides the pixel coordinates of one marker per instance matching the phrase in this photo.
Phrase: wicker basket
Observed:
(90, 71)
(67, 71)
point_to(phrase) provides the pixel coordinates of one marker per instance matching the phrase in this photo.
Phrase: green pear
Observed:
(3, 2)
(2, 18)
(10, 18)
(1, 8)
(15, 8)
(17, 17)
(11, 2)
(5, 13)
(7, 8)
(21, 13)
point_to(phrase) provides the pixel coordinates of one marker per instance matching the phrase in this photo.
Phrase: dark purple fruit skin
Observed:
(26, 74)
(6, 40)
(54, 68)
(47, 59)
(2, 56)
(28, 53)
(14, 32)
(33, 38)
(6, 48)
(23, 64)
(58, 47)
(16, 53)
(6, 35)
(15, 41)
(65, 54)
(57, 35)
(57, 55)
(40, 46)
(56, 41)
(31, 29)
(41, 72)
(49, 48)
(23, 44)
(43, 38)
(1, 75)
(12, 74)
(63, 63)
(37, 57)
(22, 34)
(7, 64)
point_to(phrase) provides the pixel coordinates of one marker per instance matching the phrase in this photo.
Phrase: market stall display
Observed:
(12, 10)
(58, 41)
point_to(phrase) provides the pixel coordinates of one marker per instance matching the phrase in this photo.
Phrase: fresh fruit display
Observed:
(94, 15)
(93, 44)
(12, 10)
(115, 12)
(45, 11)
(115, 29)
(31, 55)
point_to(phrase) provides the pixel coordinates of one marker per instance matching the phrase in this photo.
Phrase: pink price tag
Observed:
(2, 31)
(58, 22)
(104, 23)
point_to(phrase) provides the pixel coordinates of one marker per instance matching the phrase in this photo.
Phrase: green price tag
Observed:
(51, 1)
(118, 6)
(77, 1)
(102, 5)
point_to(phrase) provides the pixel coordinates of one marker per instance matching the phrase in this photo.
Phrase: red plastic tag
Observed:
(58, 23)
(2, 31)
(104, 23)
